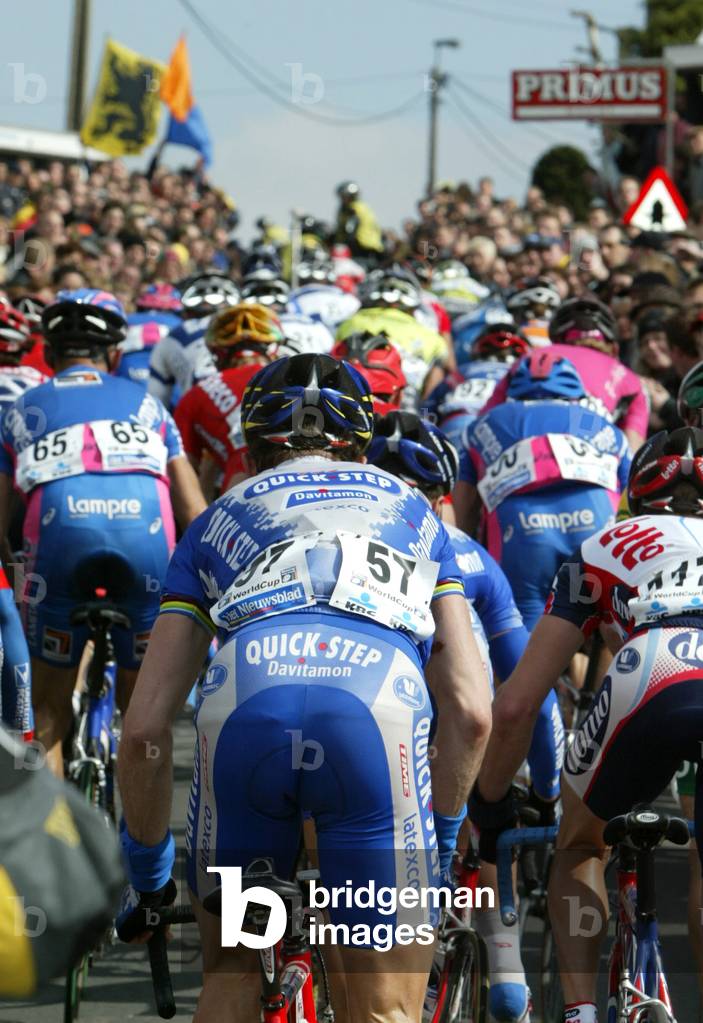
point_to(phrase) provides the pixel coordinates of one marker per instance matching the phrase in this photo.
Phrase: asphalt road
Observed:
(119, 986)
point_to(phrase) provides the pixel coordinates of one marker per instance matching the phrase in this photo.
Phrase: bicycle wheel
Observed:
(466, 999)
(551, 996)
(88, 783)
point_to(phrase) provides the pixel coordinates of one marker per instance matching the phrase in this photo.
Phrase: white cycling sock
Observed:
(580, 1012)
(508, 991)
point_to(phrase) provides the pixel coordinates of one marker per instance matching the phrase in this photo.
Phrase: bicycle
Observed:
(92, 752)
(459, 973)
(288, 994)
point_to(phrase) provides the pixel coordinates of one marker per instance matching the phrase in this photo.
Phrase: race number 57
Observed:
(382, 561)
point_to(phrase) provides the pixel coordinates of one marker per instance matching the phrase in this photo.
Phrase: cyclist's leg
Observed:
(52, 687)
(231, 977)
(687, 787)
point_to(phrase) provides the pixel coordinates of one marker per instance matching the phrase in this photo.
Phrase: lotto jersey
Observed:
(644, 572)
(144, 330)
(326, 304)
(180, 360)
(84, 421)
(618, 389)
(529, 445)
(209, 417)
(341, 536)
(15, 380)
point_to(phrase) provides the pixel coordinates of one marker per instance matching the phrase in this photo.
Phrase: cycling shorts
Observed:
(322, 715)
(113, 532)
(531, 534)
(646, 717)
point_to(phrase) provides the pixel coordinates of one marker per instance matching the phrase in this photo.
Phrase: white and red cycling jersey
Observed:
(15, 380)
(619, 390)
(209, 419)
(644, 572)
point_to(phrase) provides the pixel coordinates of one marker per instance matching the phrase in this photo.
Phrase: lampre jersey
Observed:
(644, 572)
(209, 418)
(617, 388)
(144, 331)
(315, 534)
(181, 359)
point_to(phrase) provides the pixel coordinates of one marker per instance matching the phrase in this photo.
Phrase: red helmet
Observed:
(658, 469)
(499, 341)
(15, 334)
(377, 360)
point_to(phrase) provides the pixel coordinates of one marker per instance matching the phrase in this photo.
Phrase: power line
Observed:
(490, 154)
(503, 19)
(475, 94)
(487, 135)
(225, 47)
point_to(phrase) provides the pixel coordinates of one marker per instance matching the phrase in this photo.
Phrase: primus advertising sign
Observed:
(616, 94)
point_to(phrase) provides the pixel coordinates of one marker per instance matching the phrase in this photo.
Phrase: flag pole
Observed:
(77, 69)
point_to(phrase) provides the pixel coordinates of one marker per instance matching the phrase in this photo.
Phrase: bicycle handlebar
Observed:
(504, 863)
(158, 958)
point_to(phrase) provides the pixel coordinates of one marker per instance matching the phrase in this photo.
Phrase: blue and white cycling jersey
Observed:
(304, 335)
(180, 360)
(325, 303)
(144, 330)
(457, 405)
(275, 543)
(15, 381)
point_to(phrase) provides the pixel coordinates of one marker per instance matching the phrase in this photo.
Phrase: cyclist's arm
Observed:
(177, 648)
(15, 680)
(186, 494)
(552, 644)
(457, 679)
(6, 492)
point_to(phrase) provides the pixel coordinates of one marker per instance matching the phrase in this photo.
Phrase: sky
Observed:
(334, 60)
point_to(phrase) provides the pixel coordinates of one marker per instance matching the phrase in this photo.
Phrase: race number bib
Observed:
(580, 460)
(475, 392)
(672, 588)
(381, 583)
(277, 580)
(57, 455)
(129, 447)
(511, 471)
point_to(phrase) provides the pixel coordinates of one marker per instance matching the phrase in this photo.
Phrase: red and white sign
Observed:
(615, 94)
(659, 206)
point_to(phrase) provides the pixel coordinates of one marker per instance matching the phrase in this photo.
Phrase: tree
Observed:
(668, 22)
(563, 174)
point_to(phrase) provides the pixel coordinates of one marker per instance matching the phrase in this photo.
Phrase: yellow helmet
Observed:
(242, 324)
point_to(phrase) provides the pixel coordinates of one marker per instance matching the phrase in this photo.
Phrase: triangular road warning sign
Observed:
(659, 206)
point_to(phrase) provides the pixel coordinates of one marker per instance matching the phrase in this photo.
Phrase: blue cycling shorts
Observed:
(322, 714)
(532, 534)
(109, 532)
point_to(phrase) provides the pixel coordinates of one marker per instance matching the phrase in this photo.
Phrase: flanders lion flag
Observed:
(125, 111)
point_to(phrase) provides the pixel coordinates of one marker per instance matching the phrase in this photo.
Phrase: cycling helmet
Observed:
(415, 450)
(317, 268)
(32, 307)
(664, 465)
(584, 321)
(536, 296)
(393, 287)
(246, 327)
(377, 359)
(81, 321)
(689, 403)
(543, 375)
(265, 289)
(262, 258)
(308, 402)
(449, 270)
(15, 332)
(205, 293)
(348, 190)
(161, 297)
(501, 342)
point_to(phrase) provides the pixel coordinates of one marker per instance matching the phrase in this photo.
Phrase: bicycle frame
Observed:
(291, 991)
(94, 742)
(636, 981)
(453, 923)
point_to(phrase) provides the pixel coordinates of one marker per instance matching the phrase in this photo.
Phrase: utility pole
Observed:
(79, 59)
(436, 81)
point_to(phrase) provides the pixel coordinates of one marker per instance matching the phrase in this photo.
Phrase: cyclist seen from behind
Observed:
(328, 581)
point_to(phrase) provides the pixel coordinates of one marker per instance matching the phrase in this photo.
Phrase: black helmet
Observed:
(82, 321)
(207, 292)
(415, 450)
(308, 402)
(690, 397)
(666, 474)
(583, 321)
(348, 190)
(394, 286)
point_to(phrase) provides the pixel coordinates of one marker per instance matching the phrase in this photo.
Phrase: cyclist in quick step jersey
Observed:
(642, 580)
(182, 358)
(209, 415)
(326, 579)
(421, 456)
(93, 456)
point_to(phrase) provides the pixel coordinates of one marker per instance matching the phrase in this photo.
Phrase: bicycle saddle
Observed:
(643, 828)
(259, 874)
